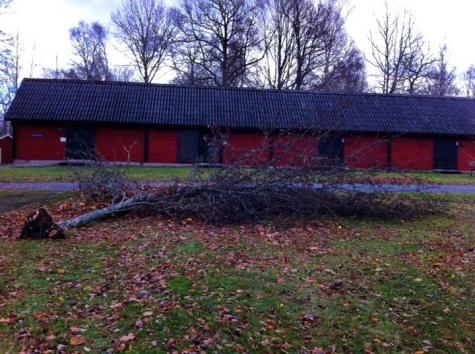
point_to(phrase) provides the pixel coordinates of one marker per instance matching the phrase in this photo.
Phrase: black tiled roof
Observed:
(117, 102)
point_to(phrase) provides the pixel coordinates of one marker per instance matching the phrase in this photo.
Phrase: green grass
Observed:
(434, 177)
(69, 173)
(348, 285)
(167, 173)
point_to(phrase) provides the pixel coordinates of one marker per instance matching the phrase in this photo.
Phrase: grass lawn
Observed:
(155, 286)
(68, 173)
(165, 173)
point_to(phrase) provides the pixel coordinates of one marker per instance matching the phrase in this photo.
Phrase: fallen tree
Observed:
(295, 182)
(126, 204)
(40, 225)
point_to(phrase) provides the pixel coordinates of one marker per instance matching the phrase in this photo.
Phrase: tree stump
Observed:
(40, 225)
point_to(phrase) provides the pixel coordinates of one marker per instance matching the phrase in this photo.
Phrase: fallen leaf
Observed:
(127, 338)
(147, 313)
(77, 340)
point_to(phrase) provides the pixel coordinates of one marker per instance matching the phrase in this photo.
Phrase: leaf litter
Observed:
(130, 283)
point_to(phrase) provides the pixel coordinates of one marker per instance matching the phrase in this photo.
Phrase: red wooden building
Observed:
(58, 120)
(6, 143)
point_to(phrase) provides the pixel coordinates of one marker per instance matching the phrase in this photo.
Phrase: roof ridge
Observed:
(256, 89)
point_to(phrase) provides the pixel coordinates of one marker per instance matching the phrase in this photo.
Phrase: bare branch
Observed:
(147, 30)
(219, 41)
(399, 54)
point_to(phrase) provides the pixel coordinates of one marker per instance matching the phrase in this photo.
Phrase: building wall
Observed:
(294, 150)
(366, 151)
(6, 145)
(247, 148)
(39, 142)
(120, 144)
(466, 153)
(47, 142)
(412, 153)
(163, 146)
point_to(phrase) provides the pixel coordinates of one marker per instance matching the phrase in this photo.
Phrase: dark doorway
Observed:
(331, 147)
(81, 143)
(445, 154)
(188, 146)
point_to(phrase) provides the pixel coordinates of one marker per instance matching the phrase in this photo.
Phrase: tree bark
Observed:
(124, 205)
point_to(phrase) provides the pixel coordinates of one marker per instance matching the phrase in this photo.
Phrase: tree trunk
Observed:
(40, 225)
(87, 218)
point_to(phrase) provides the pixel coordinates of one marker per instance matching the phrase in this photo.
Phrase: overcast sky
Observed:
(45, 24)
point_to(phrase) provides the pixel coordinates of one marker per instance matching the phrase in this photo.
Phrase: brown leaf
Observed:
(127, 338)
(77, 340)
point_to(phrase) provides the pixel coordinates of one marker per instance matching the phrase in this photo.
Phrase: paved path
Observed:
(427, 188)
(54, 186)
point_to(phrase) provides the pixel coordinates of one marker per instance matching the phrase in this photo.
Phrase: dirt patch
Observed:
(11, 200)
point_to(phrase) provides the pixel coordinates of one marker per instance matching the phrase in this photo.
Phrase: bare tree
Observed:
(307, 47)
(347, 74)
(308, 26)
(399, 53)
(89, 44)
(219, 39)
(4, 37)
(186, 62)
(125, 73)
(146, 29)
(469, 81)
(440, 80)
(10, 68)
(343, 66)
(89, 41)
(276, 70)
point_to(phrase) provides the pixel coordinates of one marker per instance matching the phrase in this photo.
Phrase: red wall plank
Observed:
(466, 153)
(163, 146)
(39, 142)
(6, 144)
(247, 148)
(364, 152)
(294, 150)
(120, 144)
(413, 153)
